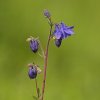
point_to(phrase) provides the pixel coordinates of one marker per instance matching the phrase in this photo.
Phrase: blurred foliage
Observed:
(73, 69)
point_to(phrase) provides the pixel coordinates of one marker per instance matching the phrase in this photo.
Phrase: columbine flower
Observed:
(61, 32)
(66, 30)
(34, 44)
(32, 71)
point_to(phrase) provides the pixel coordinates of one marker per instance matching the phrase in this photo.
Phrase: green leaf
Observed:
(35, 98)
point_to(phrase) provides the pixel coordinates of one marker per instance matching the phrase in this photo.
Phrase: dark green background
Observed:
(73, 69)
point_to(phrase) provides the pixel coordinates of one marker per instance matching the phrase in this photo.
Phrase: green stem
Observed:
(37, 89)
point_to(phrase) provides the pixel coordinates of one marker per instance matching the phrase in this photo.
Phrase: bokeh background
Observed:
(73, 69)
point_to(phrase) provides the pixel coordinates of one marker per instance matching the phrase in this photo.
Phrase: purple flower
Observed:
(57, 32)
(32, 72)
(34, 45)
(66, 30)
(61, 31)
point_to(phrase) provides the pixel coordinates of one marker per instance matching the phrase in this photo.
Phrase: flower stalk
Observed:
(37, 89)
(46, 60)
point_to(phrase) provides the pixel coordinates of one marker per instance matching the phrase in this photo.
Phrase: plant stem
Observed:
(45, 62)
(37, 89)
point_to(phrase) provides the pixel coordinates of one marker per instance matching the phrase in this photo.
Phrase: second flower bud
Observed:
(34, 44)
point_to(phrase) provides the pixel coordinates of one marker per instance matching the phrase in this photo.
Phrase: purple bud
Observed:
(34, 45)
(32, 72)
(58, 42)
(47, 13)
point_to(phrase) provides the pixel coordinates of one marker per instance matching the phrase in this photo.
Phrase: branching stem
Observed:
(46, 61)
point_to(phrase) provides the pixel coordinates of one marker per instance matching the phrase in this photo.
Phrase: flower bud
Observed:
(34, 45)
(47, 13)
(58, 42)
(32, 72)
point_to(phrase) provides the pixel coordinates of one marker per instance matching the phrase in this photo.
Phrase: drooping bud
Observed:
(58, 42)
(32, 71)
(47, 13)
(34, 44)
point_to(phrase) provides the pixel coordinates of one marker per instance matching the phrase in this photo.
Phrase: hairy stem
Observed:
(46, 62)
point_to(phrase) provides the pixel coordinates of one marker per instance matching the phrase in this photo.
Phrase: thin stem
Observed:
(37, 89)
(46, 61)
(41, 49)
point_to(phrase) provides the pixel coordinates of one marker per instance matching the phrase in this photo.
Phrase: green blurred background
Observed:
(73, 69)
